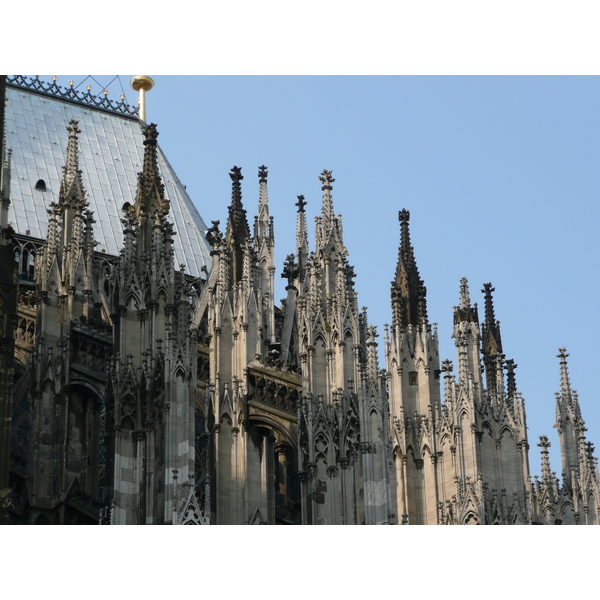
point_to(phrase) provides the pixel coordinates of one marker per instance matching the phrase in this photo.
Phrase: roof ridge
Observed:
(100, 101)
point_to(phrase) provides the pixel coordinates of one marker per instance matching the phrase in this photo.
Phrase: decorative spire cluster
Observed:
(464, 312)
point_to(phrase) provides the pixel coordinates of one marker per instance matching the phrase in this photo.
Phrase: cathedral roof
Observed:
(111, 153)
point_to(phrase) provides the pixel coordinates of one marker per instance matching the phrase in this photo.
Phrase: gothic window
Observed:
(127, 413)
(27, 263)
(106, 271)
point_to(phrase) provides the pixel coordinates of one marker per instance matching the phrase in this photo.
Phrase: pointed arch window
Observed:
(27, 263)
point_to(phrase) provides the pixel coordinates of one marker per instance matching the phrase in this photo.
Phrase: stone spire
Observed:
(409, 306)
(263, 224)
(544, 445)
(302, 249)
(238, 231)
(465, 300)
(492, 342)
(511, 383)
(327, 214)
(569, 422)
(464, 312)
(71, 184)
(567, 399)
(151, 190)
(565, 383)
(493, 358)
(466, 336)
(71, 198)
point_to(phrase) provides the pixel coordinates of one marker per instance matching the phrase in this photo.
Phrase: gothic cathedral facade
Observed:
(147, 375)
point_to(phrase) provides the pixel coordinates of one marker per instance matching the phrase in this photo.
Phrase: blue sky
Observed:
(500, 175)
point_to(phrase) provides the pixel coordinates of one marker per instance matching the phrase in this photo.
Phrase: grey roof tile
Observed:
(111, 154)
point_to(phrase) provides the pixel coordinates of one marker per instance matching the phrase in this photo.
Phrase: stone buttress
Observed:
(412, 362)
(252, 403)
(67, 406)
(343, 442)
(152, 373)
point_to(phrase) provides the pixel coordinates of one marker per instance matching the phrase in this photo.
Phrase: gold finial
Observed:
(142, 84)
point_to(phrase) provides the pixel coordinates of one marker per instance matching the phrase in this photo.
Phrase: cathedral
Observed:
(148, 376)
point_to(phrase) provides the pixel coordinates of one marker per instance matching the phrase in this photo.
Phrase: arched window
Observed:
(27, 263)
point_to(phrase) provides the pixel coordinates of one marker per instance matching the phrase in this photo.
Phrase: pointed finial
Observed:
(404, 217)
(489, 302)
(150, 186)
(72, 158)
(290, 269)
(465, 300)
(150, 157)
(590, 452)
(263, 199)
(236, 174)
(510, 377)
(544, 444)
(301, 203)
(565, 384)
(327, 210)
(326, 179)
(71, 171)
(236, 190)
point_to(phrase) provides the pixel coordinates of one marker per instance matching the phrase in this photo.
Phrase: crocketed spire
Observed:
(71, 186)
(491, 347)
(492, 341)
(263, 224)
(151, 190)
(409, 305)
(567, 399)
(464, 311)
(238, 231)
(544, 445)
(327, 215)
(302, 249)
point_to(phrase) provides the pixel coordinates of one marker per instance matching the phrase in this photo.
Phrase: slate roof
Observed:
(111, 154)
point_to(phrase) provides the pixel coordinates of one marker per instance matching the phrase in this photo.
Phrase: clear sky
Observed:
(500, 175)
